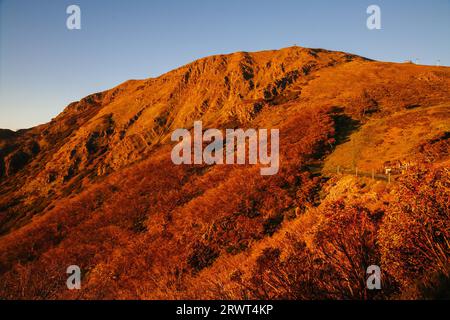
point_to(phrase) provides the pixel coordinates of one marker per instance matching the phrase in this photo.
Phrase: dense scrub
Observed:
(325, 253)
(157, 230)
(101, 191)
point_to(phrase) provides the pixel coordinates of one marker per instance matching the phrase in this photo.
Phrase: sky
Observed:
(44, 66)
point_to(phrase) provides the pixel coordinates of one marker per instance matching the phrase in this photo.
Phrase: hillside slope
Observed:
(96, 187)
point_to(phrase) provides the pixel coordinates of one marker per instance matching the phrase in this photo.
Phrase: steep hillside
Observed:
(96, 186)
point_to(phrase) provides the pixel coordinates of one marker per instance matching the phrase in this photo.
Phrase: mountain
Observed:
(96, 187)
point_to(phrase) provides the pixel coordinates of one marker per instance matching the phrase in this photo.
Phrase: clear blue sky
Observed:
(44, 66)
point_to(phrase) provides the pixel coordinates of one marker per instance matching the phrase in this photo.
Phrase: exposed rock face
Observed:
(16, 161)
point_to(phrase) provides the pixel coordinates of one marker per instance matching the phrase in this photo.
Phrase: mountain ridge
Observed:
(96, 184)
(120, 124)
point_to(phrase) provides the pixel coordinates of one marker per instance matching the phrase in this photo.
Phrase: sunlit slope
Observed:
(391, 139)
(96, 186)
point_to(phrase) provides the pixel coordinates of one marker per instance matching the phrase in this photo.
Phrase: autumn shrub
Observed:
(415, 234)
(347, 240)
(296, 276)
(329, 261)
